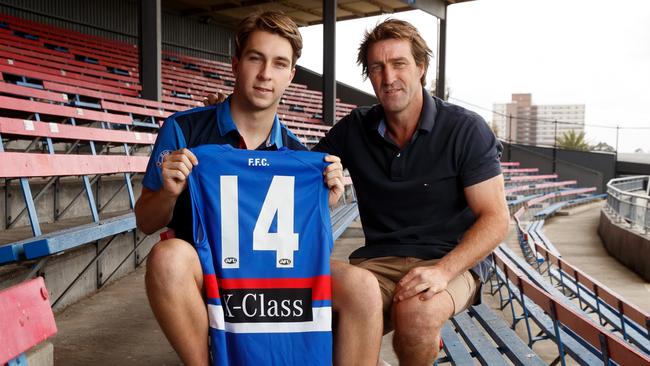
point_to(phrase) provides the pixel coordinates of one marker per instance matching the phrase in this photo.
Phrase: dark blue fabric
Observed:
(198, 126)
(411, 200)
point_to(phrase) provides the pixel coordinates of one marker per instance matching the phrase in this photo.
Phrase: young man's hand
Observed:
(176, 168)
(334, 179)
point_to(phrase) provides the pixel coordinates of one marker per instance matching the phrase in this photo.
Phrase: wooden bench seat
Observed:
(24, 165)
(18, 127)
(529, 178)
(29, 165)
(581, 328)
(560, 194)
(24, 91)
(99, 95)
(84, 41)
(29, 106)
(474, 333)
(72, 75)
(44, 76)
(26, 320)
(518, 171)
(64, 67)
(514, 280)
(56, 57)
(628, 319)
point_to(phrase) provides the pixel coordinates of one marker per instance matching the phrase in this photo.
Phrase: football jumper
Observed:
(263, 234)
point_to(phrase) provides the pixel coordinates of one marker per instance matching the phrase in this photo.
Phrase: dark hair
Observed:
(273, 22)
(395, 29)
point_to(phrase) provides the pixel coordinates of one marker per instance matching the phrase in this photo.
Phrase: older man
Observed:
(430, 191)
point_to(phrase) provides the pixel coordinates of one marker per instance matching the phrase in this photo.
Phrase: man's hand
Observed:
(334, 179)
(423, 281)
(176, 168)
(213, 99)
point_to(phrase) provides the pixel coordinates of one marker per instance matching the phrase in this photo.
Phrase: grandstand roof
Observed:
(303, 12)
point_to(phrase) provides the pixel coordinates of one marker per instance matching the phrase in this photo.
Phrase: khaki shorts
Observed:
(464, 289)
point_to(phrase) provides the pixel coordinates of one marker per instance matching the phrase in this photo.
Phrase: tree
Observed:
(573, 141)
(603, 146)
(434, 84)
(495, 128)
(639, 151)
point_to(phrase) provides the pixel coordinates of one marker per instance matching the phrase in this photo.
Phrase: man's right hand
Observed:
(176, 168)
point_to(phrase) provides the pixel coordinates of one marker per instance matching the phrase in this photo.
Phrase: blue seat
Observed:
(61, 240)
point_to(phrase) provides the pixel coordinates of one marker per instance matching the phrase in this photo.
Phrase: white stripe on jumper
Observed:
(322, 322)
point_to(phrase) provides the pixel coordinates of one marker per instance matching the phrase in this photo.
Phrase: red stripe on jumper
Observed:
(321, 285)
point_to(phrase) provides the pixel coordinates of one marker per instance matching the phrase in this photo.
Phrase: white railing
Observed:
(628, 199)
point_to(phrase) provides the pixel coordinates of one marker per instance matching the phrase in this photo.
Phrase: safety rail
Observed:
(628, 199)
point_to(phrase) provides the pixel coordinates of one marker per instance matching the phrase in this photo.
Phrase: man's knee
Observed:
(354, 287)
(419, 321)
(170, 261)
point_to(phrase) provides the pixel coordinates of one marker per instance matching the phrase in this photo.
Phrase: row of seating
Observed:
(593, 298)
(548, 314)
(85, 113)
(69, 113)
(65, 69)
(610, 308)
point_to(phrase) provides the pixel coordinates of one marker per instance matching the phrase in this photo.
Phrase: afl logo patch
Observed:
(161, 157)
(284, 262)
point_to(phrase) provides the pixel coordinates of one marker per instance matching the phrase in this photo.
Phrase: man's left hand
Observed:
(216, 98)
(334, 178)
(422, 281)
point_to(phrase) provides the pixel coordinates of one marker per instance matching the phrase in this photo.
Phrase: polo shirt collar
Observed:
(226, 124)
(429, 112)
(425, 122)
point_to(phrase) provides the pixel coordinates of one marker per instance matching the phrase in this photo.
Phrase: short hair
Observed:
(395, 29)
(273, 22)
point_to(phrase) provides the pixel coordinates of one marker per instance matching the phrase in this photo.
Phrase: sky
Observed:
(592, 52)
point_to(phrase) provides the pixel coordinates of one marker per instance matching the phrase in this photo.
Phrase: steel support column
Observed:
(329, 62)
(441, 56)
(149, 42)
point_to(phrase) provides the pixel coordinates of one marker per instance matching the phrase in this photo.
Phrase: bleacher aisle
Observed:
(576, 237)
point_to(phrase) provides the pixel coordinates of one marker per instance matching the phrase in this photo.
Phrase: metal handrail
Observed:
(631, 207)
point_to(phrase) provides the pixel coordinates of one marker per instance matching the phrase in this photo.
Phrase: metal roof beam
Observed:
(382, 7)
(436, 8)
(351, 10)
(295, 6)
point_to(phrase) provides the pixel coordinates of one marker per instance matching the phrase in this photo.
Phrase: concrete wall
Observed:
(13, 202)
(95, 263)
(629, 247)
(61, 271)
(590, 169)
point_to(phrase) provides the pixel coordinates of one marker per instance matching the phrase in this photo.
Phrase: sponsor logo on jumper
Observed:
(161, 157)
(267, 305)
(230, 260)
(258, 162)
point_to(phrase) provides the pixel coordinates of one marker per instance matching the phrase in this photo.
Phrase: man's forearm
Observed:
(153, 211)
(481, 239)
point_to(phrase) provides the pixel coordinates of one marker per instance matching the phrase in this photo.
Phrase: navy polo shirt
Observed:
(199, 126)
(411, 200)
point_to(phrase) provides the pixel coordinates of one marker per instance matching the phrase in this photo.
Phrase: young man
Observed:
(267, 47)
(429, 188)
